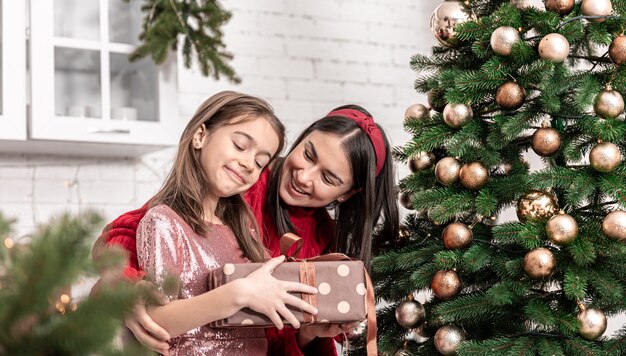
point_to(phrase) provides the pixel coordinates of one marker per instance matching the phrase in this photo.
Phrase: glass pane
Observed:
(133, 89)
(124, 21)
(77, 85)
(77, 19)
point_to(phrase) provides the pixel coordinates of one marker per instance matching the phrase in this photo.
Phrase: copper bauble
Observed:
(503, 38)
(457, 235)
(605, 157)
(554, 47)
(410, 314)
(406, 200)
(561, 7)
(596, 8)
(617, 50)
(536, 205)
(456, 115)
(416, 112)
(447, 171)
(614, 225)
(446, 284)
(443, 20)
(448, 338)
(591, 322)
(562, 229)
(510, 96)
(436, 100)
(421, 161)
(539, 263)
(609, 104)
(474, 175)
(546, 141)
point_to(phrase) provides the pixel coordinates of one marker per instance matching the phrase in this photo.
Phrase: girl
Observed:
(198, 221)
(340, 163)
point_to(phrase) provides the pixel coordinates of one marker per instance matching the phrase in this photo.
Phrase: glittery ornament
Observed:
(503, 39)
(416, 112)
(605, 157)
(474, 176)
(410, 314)
(609, 104)
(443, 20)
(421, 161)
(546, 141)
(436, 100)
(447, 171)
(510, 96)
(561, 7)
(403, 236)
(596, 8)
(614, 225)
(539, 263)
(457, 235)
(446, 284)
(456, 115)
(591, 322)
(448, 338)
(536, 205)
(406, 200)
(554, 47)
(562, 229)
(617, 50)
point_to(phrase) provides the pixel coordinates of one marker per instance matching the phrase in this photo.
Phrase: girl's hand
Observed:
(263, 293)
(308, 333)
(146, 331)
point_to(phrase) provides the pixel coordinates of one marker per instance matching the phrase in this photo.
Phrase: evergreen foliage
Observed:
(500, 308)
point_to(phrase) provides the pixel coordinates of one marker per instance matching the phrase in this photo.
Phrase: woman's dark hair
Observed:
(374, 204)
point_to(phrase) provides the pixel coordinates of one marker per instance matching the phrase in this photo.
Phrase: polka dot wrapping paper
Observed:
(341, 297)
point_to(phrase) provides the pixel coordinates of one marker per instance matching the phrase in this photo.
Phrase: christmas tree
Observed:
(38, 313)
(509, 84)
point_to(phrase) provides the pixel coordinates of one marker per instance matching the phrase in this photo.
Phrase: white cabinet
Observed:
(86, 97)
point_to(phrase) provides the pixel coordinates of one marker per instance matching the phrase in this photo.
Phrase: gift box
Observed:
(342, 287)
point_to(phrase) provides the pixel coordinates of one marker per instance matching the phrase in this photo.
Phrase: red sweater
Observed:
(314, 226)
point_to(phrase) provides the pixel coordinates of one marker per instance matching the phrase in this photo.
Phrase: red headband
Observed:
(367, 124)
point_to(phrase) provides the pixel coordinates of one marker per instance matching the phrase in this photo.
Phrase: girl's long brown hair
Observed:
(185, 186)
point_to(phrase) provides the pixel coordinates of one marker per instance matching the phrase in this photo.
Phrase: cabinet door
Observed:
(83, 86)
(13, 70)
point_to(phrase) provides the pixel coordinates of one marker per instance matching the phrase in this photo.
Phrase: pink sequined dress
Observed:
(167, 246)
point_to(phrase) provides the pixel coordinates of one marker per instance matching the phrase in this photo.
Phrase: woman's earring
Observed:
(341, 200)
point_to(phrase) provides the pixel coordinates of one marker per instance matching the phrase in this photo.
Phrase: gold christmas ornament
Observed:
(421, 161)
(605, 157)
(456, 115)
(554, 47)
(448, 338)
(474, 175)
(617, 50)
(457, 235)
(406, 200)
(609, 104)
(561, 7)
(539, 263)
(596, 8)
(591, 322)
(510, 96)
(403, 236)
(436, 100)
(446, 284)
(416, 112)
(447, 171)
(562, 229)
(503, 38)
(443, 20)
(546, 141)
(410, 314)
(536, 205)
(614, 225)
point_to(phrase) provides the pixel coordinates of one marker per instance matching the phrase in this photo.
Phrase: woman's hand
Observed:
(146, 331)
(263, 293)
(308, 333)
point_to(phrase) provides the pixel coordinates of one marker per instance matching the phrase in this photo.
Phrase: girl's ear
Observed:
(198, 137)
(347, 195)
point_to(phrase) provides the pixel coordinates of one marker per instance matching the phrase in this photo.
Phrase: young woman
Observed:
(340, 163)
(198, 221)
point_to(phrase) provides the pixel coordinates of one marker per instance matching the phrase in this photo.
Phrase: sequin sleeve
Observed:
(160, 251)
